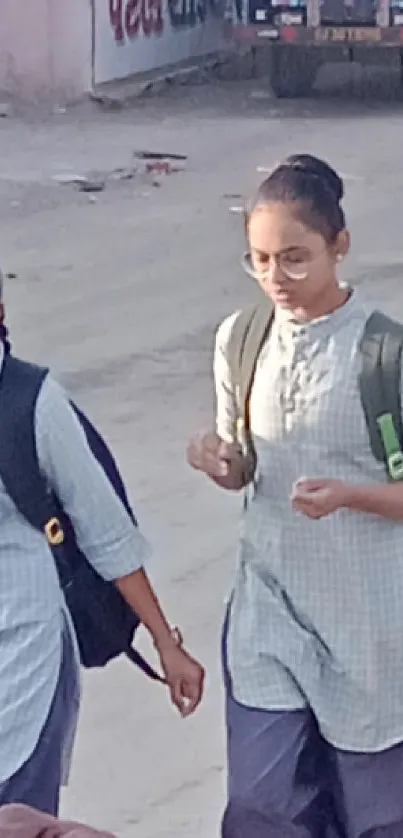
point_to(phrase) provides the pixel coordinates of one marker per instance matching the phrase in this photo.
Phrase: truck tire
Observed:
(293, 71)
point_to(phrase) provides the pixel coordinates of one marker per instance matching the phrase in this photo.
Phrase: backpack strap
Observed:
(248, 335)
(20, 384)
(379, 380)
(104, 455)
(380, 389)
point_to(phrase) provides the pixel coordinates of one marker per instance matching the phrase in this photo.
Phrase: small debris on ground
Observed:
(5, 110)
(162, 167)
(68, 179)
(109, 103)
(91, 185)
(161, 163)
(123, 174)
(158, 155)
(233, 196)
(154, 167)
(84, 184)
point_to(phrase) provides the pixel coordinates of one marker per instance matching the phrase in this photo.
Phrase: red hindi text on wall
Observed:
(130, 18)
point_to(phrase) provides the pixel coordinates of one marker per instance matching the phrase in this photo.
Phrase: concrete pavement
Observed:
(122, 297)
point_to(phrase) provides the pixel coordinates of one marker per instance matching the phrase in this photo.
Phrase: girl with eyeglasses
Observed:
(313, 636)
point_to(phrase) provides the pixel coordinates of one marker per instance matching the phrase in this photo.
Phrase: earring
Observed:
(339, 257)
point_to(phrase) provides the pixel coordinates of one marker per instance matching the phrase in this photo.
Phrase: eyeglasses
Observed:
(295, 267)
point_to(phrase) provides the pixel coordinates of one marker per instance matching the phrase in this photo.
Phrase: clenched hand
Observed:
(184, 677)
(210, 454)
(319, 497)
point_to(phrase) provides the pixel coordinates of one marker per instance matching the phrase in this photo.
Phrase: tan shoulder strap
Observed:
(248, 335)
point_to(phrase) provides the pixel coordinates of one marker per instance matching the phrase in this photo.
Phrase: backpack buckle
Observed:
(391, 446)
(395, 465)
(54, 532)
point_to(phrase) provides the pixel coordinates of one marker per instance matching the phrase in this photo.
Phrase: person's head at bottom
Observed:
(242, 821)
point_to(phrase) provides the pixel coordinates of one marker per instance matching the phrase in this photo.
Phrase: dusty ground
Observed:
(122, 296)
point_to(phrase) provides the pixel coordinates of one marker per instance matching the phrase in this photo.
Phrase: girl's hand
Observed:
(319, 497)
(210, 454)
(184, 677)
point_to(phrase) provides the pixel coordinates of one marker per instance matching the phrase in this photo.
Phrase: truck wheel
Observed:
(293, 71)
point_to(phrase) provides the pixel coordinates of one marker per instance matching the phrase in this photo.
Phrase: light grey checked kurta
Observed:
(317, 610)
(31, 602)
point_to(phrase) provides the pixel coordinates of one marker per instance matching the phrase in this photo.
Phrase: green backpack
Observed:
(380, 381)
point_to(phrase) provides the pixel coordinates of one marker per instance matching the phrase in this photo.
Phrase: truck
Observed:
(298, 36)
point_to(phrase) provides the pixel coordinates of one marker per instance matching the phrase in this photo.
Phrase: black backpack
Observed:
(105, 625)
(380, 380)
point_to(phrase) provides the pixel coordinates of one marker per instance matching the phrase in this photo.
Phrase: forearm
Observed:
(138, 593)
(385, 501)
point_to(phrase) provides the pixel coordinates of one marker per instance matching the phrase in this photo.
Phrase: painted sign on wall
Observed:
(130, 18)
(136, 36)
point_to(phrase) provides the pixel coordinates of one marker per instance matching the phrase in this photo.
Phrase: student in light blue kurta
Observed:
(39, 680)
(313, 640)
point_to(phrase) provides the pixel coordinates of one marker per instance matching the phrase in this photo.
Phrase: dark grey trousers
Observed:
(281, 768)
(38, 781)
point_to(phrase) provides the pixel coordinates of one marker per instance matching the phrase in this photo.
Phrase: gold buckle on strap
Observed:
(54, 532)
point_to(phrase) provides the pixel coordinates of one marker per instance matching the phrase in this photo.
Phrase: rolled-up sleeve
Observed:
(226, 413)
(104, 531)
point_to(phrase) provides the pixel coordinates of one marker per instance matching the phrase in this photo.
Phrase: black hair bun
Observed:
(320, 169)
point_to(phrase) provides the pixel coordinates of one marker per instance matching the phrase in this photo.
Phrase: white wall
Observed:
(45, 49)
(135, 36)
(46, 45)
